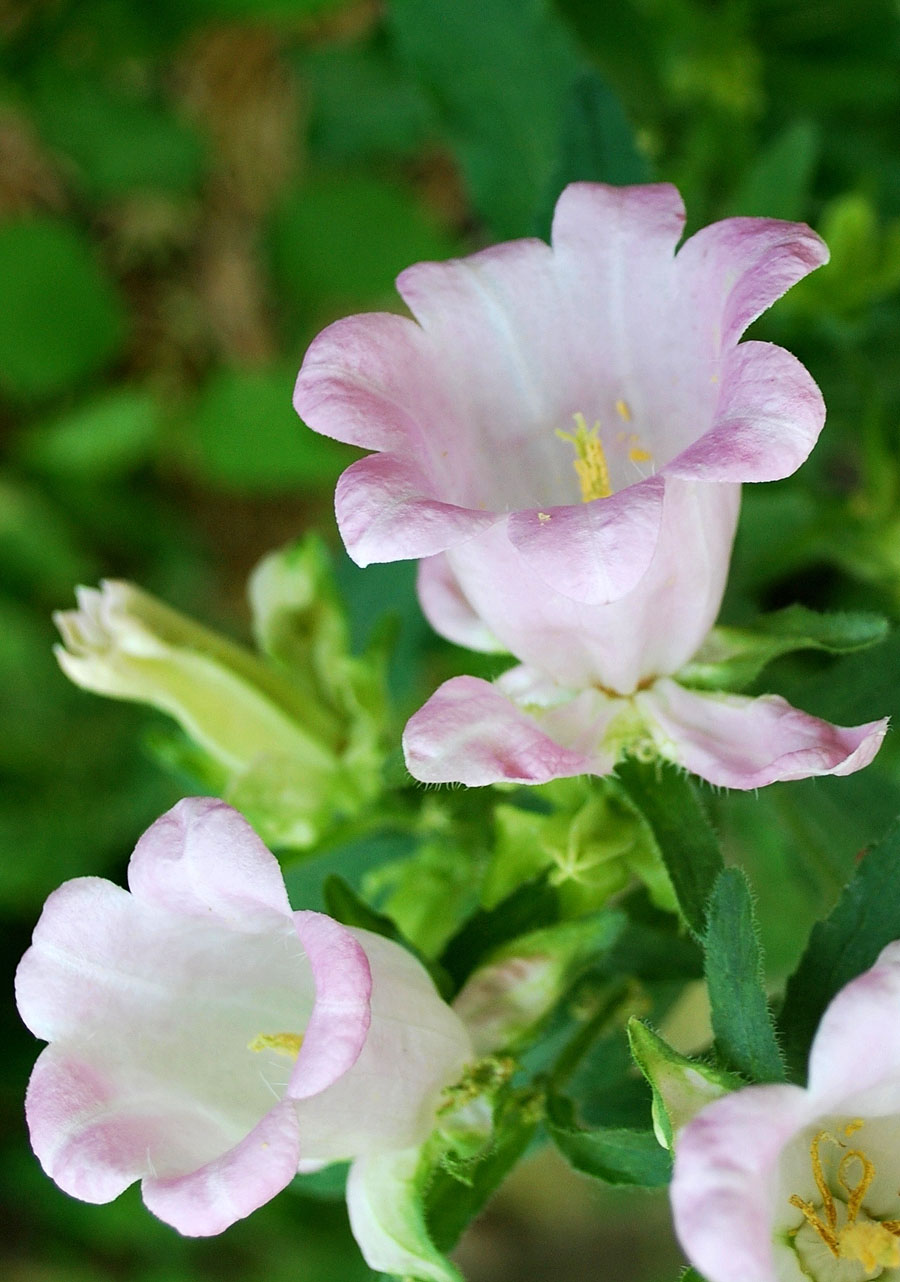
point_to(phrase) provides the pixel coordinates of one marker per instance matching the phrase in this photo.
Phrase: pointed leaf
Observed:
(741, 1020)
(865, 919)
(612, 1154)
(671, 806)
(731, 658)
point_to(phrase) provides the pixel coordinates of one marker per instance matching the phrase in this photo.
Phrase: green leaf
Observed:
(250, 440)
(865, 919)
(687, 843)
(731, 658)
(100, 440)
(777, 184)
(343, 238)
(742, 1023)
(454, 1199)
(61, 318)
(529, 908)
(121, 141)
(612, 1154)
(501, 72)
(597, 143)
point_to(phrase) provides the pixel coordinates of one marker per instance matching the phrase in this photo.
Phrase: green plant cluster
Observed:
(189, 191)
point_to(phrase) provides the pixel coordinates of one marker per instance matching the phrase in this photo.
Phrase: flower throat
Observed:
(875, 1244)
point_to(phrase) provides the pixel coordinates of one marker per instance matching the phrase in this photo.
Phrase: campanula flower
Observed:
(544, 400)
(780, 1184)
(208, 1041)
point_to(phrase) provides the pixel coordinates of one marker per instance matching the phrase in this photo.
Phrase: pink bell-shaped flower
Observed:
(209, 1042)
(780, 1184)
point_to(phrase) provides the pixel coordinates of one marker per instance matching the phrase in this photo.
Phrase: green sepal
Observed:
(731, 658)
(681, 1087)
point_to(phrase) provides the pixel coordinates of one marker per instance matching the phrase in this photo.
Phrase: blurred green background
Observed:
(189, 191)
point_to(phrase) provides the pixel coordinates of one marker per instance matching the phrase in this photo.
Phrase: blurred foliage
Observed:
(189, 190)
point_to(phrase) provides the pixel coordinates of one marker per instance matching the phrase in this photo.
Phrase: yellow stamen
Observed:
(623, 410)
(283, 1043)
(855, 1194)
(590, 463)
(873, 1244)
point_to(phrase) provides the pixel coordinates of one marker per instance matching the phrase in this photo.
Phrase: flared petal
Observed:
(341, 1015)
(386, 512)
(725, 1183)
(447, 608)
(857, 1046)
(469, 732)
(364, 381)
(208, 1200)
(734, 269)
(767, 420)
(202, 859)
(739, 742)
(593, 552)
(416, 1046)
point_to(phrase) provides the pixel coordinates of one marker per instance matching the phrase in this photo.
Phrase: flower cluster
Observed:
(561, 434)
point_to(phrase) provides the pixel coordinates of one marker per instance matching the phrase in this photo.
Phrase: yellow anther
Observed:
(283, 1043)
(590, 463)
(623, 410)
(640, 456)
(857, 1192)
(874, 1245)
(543, 517)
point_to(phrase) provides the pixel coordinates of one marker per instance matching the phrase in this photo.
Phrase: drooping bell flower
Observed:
(781, 1184)
(559, 717)
(208, 1041)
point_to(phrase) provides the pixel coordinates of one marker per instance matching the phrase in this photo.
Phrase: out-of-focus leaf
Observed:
(741, 1020)
(597, 144)
(61, 318)
(687, 843)
(501, 72)
(120, 142)
(342, 238)
(777, 184)
(265, 10)
(39, 546)
(250, 439)
(866, 918)
(363, 104)
(100, 440)
(612, 1154)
